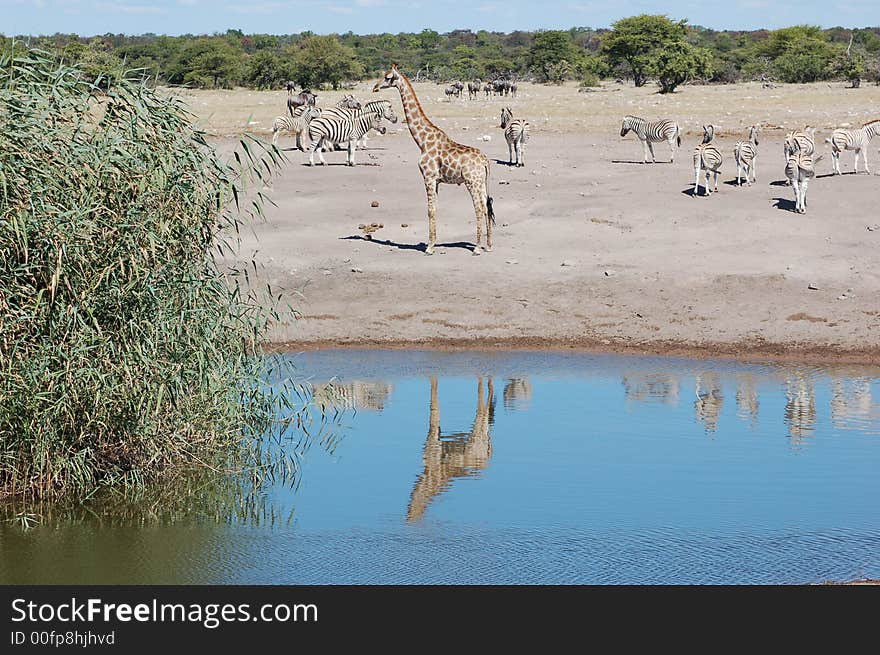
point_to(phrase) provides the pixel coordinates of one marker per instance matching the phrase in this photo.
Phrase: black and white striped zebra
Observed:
(708, 159)
(653, 132)
(297, 124)
(799, 170)
(746, 153)
(326, 130)
(803, 140)
(516, 133)
(857, 140)
(380, 107)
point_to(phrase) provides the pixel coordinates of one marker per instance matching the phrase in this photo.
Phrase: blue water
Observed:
(573, 469)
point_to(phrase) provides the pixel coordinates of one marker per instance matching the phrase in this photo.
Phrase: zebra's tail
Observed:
(678, 136)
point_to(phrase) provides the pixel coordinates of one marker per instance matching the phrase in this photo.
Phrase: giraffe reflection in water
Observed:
(851, 401)
(456, 455)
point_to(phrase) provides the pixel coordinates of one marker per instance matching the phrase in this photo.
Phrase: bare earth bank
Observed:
(592, 248)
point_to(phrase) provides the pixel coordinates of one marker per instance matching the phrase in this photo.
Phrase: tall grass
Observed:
(126, 352)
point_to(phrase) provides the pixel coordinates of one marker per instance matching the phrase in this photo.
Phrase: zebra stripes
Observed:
(296, 124)
(653, 132)
(516, 133)
(380, 107)
(325, 130)
(857, 140)
(799, 170)
(707, 157)
(745, 153)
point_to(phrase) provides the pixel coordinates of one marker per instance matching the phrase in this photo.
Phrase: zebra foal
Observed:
(296, 124)
(516, 133)
(653, 132)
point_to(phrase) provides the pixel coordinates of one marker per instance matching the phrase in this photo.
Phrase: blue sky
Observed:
(89, 17)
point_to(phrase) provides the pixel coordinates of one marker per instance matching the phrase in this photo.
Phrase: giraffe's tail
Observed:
(489, 210)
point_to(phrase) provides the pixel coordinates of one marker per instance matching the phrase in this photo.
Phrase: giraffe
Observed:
(444, 161)
(451, 456)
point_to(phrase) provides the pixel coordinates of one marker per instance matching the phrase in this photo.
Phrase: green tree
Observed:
(633, 42)
(266, 70)
(207, 63)
(679, 62)
(324, 60)
(552, 56)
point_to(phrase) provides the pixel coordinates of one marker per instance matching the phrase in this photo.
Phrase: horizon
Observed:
(90, 18)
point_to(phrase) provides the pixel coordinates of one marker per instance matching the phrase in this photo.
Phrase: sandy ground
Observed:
(592, 248)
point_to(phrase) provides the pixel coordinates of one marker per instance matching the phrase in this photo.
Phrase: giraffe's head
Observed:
(391, 78)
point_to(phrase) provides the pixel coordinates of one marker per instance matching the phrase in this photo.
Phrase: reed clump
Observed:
(127, 351)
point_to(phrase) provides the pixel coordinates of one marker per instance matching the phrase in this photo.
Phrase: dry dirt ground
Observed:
(593, 249)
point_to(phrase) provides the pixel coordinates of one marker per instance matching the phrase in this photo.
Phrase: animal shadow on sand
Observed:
(785, 204)
(421, 247)
(639, 162)
(779, 183)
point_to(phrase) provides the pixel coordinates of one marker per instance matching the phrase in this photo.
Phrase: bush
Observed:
(126, 352)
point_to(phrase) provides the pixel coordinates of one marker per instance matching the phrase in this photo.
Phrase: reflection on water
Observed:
(452, 455)
(596, 470)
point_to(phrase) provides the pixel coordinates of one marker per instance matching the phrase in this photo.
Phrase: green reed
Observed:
(128, 351)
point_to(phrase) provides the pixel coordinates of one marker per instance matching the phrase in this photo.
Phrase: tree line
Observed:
(639, 48)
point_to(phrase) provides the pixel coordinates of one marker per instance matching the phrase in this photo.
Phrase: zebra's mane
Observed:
(873, 122)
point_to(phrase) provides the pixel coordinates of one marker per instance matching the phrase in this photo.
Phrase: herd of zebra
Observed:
(799, 149)
(349, 121)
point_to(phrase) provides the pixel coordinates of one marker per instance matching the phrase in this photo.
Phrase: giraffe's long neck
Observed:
(419, 125)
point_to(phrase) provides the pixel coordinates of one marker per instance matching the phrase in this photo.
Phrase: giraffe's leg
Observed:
(478, 196)
(431, 189)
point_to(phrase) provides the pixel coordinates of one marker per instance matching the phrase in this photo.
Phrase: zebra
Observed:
(653, 132)
(381, 107)
(745, 153)
(707, 158)
(331, 130)
(296, 125)
(516, 133)
(474, 89)
(857, 140)
(799, 169)
(804, 140)
(487, 89)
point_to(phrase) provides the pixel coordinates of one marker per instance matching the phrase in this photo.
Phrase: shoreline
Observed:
(744, 352)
